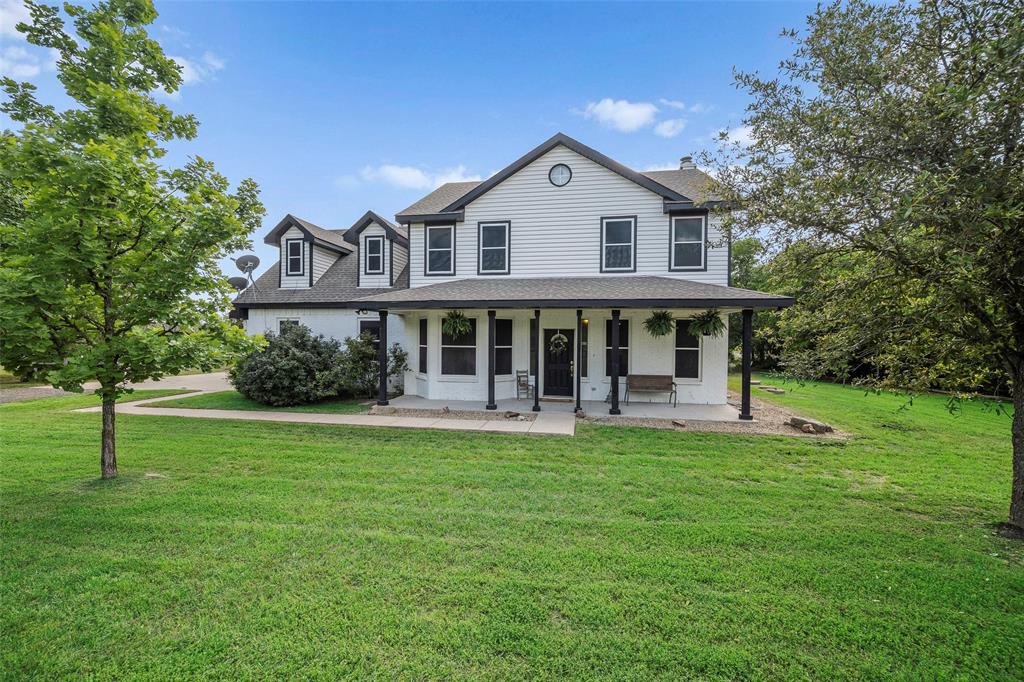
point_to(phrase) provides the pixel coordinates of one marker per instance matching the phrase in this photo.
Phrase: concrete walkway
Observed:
(547, 424)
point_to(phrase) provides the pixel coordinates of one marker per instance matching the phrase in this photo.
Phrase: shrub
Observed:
(359, 367)
(293, 368)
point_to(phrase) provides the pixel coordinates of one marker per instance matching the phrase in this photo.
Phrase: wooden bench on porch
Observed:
(651, 383)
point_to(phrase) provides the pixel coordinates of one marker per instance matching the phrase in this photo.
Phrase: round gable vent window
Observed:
(560, 175)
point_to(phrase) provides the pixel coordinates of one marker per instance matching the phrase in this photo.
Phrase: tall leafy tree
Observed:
(109, 258)
(892, 140)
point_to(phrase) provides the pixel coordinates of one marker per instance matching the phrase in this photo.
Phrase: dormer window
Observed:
(295, 264)
(374, 256)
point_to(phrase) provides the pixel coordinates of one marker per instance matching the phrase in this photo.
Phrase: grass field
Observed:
(233, 400)
(251, 550)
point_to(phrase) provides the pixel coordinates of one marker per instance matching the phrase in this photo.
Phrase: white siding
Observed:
(401, 259)
(556, 231)
(322, 259)
(647, 355)
(294, 281)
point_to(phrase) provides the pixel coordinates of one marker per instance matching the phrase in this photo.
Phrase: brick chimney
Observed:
(686, 163)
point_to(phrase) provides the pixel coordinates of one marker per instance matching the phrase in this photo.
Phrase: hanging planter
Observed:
(707, 323)
(558, 343)
(455, 324)
(660, 323)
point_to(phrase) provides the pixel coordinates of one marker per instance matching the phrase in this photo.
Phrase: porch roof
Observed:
(641, 291)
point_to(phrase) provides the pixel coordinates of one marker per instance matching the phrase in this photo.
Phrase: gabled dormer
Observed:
(383, 249)
(306, 251)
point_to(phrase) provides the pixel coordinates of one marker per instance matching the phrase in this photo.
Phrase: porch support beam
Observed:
(615, 364)
(748, 338)
(491, 405)
(536, 360)
(382, 359)
(579, 355)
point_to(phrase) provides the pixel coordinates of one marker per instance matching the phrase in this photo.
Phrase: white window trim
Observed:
(481, 248)
(476, 350)
(427, 250)
(288, 257)
(632, 243)
(700, 359)
(366, 259)
(673, 241)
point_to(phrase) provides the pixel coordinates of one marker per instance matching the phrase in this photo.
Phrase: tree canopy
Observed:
(109, 265)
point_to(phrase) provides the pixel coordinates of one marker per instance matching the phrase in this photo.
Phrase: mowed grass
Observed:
(232, 549)
(233, 400)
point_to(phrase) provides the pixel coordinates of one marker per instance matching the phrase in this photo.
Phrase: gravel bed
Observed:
(485, 415)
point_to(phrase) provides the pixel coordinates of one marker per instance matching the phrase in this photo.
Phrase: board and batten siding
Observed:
(294, 281)
(556, 231)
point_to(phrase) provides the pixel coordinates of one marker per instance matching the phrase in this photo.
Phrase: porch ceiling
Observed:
(637, 291)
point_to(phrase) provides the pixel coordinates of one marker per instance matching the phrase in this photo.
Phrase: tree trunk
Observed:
(1017, 489)
(108, 458)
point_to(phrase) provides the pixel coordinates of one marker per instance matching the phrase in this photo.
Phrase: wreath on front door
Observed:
(558, 343)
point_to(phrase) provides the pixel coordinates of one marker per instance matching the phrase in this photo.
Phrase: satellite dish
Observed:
(247, 263)
(238, 283)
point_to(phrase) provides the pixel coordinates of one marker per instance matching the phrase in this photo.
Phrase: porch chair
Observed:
(523, 384)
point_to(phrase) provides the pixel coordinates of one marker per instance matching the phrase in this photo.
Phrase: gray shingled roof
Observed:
(440, 197)
(338, 285)
(574, 292)
(695, 184)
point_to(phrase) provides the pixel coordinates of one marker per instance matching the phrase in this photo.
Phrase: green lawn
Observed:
(233, 400)
(253, 550)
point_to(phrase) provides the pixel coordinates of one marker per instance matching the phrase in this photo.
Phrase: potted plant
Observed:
(660, 323)
(707, 323)
(455, 324)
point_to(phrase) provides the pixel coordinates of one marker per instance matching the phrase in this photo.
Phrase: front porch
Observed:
(639, 410)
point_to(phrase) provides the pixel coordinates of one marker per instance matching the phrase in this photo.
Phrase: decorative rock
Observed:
(679, 422)
(803, 424)
(772, 389)
(445, 410)
(580, 414)
(755, 382)
(521, 418)
(509, 414)
(384, 409)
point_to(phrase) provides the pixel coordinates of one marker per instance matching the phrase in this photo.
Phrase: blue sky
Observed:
(336, 108)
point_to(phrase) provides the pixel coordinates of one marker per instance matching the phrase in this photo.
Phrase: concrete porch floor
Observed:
(593, 408)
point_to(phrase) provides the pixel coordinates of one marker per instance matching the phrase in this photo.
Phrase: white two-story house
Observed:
(556, 261)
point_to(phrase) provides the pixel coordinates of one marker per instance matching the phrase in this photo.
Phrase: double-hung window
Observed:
(371, 327)
(374, 256)
(295, 264)
(688, 239)
(503, 347)
(687, 352)
(286, 323)
(618, 244)
(494, 251)
(623, 348)
(440, 240)
(423, 346)
(458, 353)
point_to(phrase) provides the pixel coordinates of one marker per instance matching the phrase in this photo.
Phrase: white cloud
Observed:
(670, 127)
(17, 62)
(621, 115)
(11, 12)
(672, 103)
(198, 70)
(700, 108)
(743, 136)
(410, 177)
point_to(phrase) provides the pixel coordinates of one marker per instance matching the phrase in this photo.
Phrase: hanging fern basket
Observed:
(455, 324)
(707, 323)
(660, 323)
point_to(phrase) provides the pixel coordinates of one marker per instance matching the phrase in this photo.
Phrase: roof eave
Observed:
(442, 217)
(505, 304)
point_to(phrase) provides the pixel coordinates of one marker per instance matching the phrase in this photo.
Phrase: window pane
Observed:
(423, 332)
(458, 361)
(440, 238)
(285, 324)
(502, 360)
(503, 332)
(372, 327)
(423, 360)
(493, 235)
(687, 364)
(373, 246)
(533, 346)
(618, 232)
(689, 229)
(688, 255)
(295, 249)
(623, 333)
(373, 264)
(618, 256)
(440, 261)
(465, 340)
(493, 259)
(684, 339)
